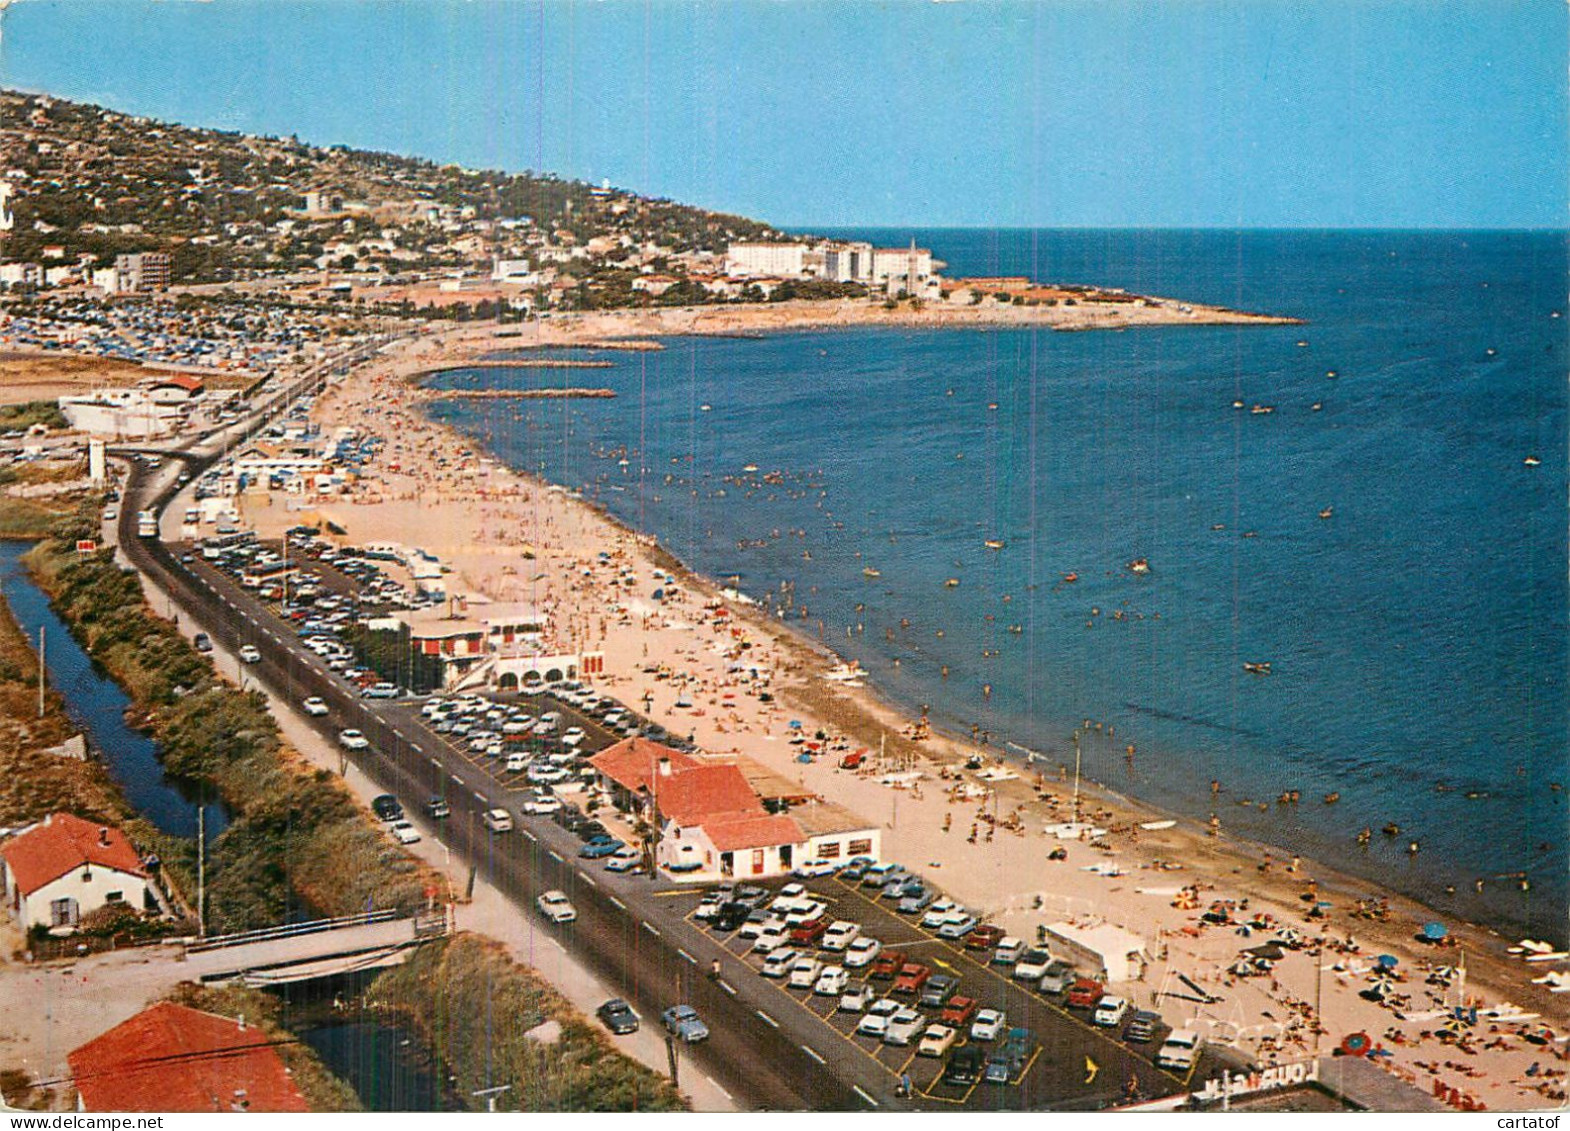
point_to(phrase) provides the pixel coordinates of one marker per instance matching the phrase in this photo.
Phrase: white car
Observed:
(938, 914)
(862, 951)
(857, 998)
(778, 964)
(752, 928)
(541, 805)
(831, 982)
(804, 973)
(315, 706)
(250, 654)
(876, 1021)
(936, 1041)
(806, 914)
(1180, 1051)
(839, 936)
(497, 820)
(904, 1026)
(1032, 964)
(771, 938)
(957, 928)
(573, 736)
(405, 833)
(353, 740)
(814, 868)
(989, 1023)
(1110, 1011)
(555, 906)
(1008, 951)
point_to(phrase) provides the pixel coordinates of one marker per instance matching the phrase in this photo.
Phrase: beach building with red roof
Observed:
(63, 867)
(173, 1058)
(713, 823)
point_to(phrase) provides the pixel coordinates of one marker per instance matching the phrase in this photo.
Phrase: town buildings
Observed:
(63, 868)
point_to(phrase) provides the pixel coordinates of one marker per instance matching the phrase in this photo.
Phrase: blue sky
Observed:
(1269, 113)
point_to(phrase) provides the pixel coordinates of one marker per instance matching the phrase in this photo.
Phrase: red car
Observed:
(912, 976)
(958, 1012)
(853, 761)
(888, 964)
(984, 937)
(807, 934)
(1085, 993)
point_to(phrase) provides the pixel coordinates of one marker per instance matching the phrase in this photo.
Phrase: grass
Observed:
(475, 1006)
(27, 520)
(28, 413)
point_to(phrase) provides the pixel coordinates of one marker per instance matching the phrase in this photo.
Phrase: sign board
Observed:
(1232, 1086)
(86, 546)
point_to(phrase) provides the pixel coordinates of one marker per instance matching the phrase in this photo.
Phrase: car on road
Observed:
(497, 820)
(888, 965)
(985, 937)
(353, 740)
(203, 642)
(1058, 977)
(936, 1041)
(315, 705)
(804, 973)
(839, 935)
(904, 1027)
(938, 989)
(556, 907)
(405, 833)
(959, 1011)
(779, 962)
(250, 654)
(437, 809)
(1142, 1026)
(857, 998)
(1110, 1011)
(957, 928)
(862, 952)
(1032, 964)
(964, 1067)
(814, 868)
(599, 849)
(1180, 1051)
(989, 1023)
(617, 1016)
(386, 807)
(683, 1021)
(912, 976)
(1084, 993)
(832, 982)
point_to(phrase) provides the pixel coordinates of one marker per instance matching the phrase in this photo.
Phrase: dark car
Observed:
(618, 1017)
(938, 989)
(437, 808)
(1142, 1026)
(387, 808)
(732, 916)
(1007, 1063)
(203, 642)
(590, 830)
(964, 1067)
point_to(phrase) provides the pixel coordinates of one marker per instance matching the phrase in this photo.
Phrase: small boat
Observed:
(1332, 798)
(952, 583)
(1237, 404)
(751, 467)
(1070, 578)
(1156, 826)
(1302, 343)
(1531, 461)
(1139, 565)
(1257, 667)
(994, 543)
(705, 408)
(870, 572)
(1263, 409)
(1326, 512)
(1318, 406)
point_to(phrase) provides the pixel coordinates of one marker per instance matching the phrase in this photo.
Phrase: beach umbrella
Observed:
(1434, 931)
(795, 724)
(1388, 961)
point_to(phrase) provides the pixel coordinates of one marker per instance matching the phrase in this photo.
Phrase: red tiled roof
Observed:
(172, 1058)
(632, 762)
(181, 380)
(62, 843)
(746, 830)
(697, 794)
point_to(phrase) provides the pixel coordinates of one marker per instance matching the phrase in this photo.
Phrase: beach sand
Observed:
(510, 537)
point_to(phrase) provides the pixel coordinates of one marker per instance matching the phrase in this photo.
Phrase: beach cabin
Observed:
(1110, 953)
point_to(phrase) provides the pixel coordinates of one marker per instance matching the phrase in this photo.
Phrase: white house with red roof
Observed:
(63, 867)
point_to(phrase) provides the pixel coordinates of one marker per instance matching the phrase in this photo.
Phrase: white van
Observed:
(1180, 1051)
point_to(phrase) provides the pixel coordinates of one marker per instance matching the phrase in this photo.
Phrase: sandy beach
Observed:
(985, 835)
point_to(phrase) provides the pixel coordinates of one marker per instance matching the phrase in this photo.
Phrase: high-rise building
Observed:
(141, 272)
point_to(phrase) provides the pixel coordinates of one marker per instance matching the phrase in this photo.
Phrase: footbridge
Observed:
(297, 952)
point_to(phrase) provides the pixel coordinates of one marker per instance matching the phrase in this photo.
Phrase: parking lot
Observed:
(1068, 1061)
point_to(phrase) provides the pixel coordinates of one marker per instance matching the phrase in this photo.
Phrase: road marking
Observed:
(727, 987)
(857, 1089)
(480, 797)
(528, 834)
(810, 1051)
(687, 956)
(556, 856)
(619, 904)
(459, 780)
(766, 1018)
(650, 927)
(586, 878)
(717, 1088)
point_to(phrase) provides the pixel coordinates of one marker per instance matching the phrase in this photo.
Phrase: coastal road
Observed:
(627, 932)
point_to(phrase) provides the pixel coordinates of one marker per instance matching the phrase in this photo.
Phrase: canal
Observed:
(97, 705)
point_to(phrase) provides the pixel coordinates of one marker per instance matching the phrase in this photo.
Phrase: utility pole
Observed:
(201, 870)
(41, 669)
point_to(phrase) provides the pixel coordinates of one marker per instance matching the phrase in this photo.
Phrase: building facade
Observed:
(63, 868)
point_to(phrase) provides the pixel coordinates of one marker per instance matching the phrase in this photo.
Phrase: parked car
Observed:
(805, 934)
(984, 937)
(1180, 1051)
(386, 807)
(1084, 993)
(1007, 1062)
(857, 998)
(538, 804)
(904, 1027)
(912, 977)
(863, 951)
(1057, 978)
(599, 849)
(939, 913)
(1110, 1011)
(959, 1011)
(497, 820)
(888, 964)
(831, 982)
(618, 1017)
(405, 833)
(988, 1024)
(1142, 1026)
(839, 935)
(814, 868)
(917, 899)
(875, 1022)
(938, 989)
(804, 973)
(957, 928)
(779, 962)
(683, 1021)
(556, 907)
(936, 1041)
(771, 938)
(1008, 951)
(964, 1067)
(1032, 964)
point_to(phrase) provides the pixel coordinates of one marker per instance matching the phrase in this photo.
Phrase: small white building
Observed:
(1103, 951)
(62, 868)
(125, 413)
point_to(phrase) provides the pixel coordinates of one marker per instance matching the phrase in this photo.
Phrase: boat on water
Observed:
(1070, 578)
(870, 572)
(705, 408)
(1139, 565)
(1262, 409)
(1326, 513)
(952, 583)
(994, 543)
(1531, 461)
(1257, 667)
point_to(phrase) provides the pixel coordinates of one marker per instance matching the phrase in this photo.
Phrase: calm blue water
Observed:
(97, 705)
(1417, 636)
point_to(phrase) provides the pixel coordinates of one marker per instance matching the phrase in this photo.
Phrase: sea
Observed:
(1372, 503)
